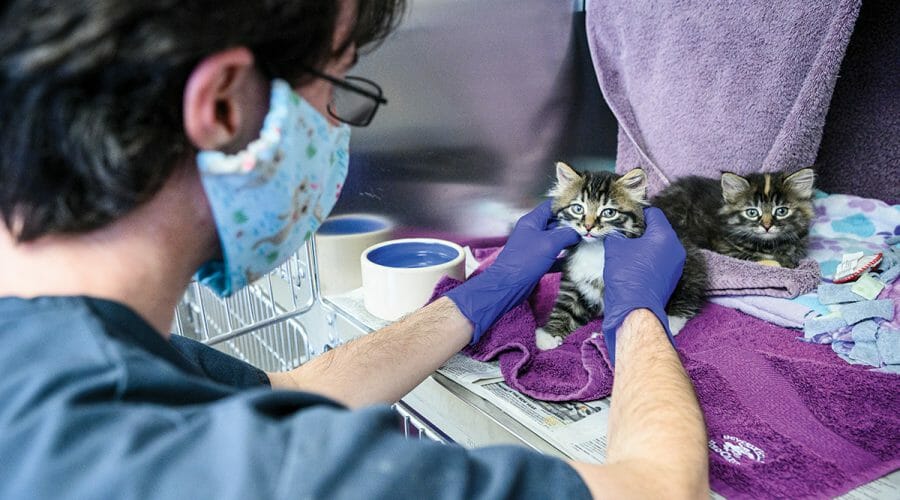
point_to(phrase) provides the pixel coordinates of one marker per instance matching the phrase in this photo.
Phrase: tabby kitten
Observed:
(760, 217)
(597, 204)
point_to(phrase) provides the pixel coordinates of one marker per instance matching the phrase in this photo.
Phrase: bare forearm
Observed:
(657, 439)
(383, 366)
(655, 416)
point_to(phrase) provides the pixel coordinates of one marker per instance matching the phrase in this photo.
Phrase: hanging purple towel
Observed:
(704, 86)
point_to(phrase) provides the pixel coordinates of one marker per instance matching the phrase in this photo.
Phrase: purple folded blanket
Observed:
(785, 418)
(730, 276)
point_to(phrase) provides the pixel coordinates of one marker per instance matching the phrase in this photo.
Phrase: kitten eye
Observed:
(781, 212)
(608, 213)
(752, 213)
(576, 209)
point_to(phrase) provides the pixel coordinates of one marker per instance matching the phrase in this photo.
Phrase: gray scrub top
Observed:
(96, 404)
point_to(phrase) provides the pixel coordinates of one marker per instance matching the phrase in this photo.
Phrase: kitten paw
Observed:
(545, 341)
(676, 323)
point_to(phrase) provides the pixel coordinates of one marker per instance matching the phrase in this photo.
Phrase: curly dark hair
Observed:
(91, 92)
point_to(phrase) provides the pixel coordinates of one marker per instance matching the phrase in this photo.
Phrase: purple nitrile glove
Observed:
(640, 273)
(529, 252)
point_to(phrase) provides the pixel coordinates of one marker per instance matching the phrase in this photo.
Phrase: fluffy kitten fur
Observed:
(760, 217)
(596, 204)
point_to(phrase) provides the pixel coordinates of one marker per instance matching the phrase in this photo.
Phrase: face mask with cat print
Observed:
(597, 204)
(269, 198)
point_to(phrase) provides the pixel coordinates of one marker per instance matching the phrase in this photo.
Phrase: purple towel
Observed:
(785, 418)
(577, 370)
(705, 86)
(730, 276)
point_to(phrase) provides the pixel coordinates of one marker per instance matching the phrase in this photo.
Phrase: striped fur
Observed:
(605, 203)
(758, 217)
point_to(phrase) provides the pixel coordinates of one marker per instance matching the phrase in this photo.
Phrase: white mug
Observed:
(339, 243)
(399, 275)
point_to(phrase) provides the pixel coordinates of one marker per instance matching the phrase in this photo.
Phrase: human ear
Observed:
(225, 100)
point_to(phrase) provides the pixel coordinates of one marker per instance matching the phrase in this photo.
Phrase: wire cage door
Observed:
(260, 324)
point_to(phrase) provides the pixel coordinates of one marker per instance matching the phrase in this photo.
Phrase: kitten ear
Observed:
(565, 174)
(732, 186)
(801, 182)
(635, 183)
(565, 177)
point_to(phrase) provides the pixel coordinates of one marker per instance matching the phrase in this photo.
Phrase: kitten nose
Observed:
(588, 226)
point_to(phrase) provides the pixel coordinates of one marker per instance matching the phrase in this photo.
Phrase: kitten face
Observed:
(598, 203)
(768, 207)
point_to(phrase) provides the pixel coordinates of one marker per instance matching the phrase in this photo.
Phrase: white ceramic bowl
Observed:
(399, 275)
(339, 243)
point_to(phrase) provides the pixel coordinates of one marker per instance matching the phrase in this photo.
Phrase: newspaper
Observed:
(575, 428)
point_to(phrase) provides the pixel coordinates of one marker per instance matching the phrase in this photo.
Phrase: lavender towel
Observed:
(730, 276)
(704, 86)
(782, 312)
(785, 418)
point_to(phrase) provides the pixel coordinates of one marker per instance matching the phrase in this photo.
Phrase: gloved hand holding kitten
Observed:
(529, 253)
(640, 273)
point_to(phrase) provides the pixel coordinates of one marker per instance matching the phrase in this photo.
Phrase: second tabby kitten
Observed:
(760, 217)
(597, 204)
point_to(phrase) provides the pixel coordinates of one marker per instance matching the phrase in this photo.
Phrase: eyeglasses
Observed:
(355, 100)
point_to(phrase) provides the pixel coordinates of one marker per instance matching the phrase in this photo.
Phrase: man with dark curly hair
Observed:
(145, 142)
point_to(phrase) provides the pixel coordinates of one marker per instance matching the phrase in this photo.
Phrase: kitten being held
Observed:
(597, 204)
(760, 217)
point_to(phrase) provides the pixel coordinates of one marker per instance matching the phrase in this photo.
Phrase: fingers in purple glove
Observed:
(659, 227)
(529, 252)
(641, 273)
(656, 223)
(538, 218)
(564, 236)
(658, 231)
(655, 217)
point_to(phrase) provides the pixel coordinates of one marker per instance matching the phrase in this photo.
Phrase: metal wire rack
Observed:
(417, 427)
(259, 324)
(262, 325)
